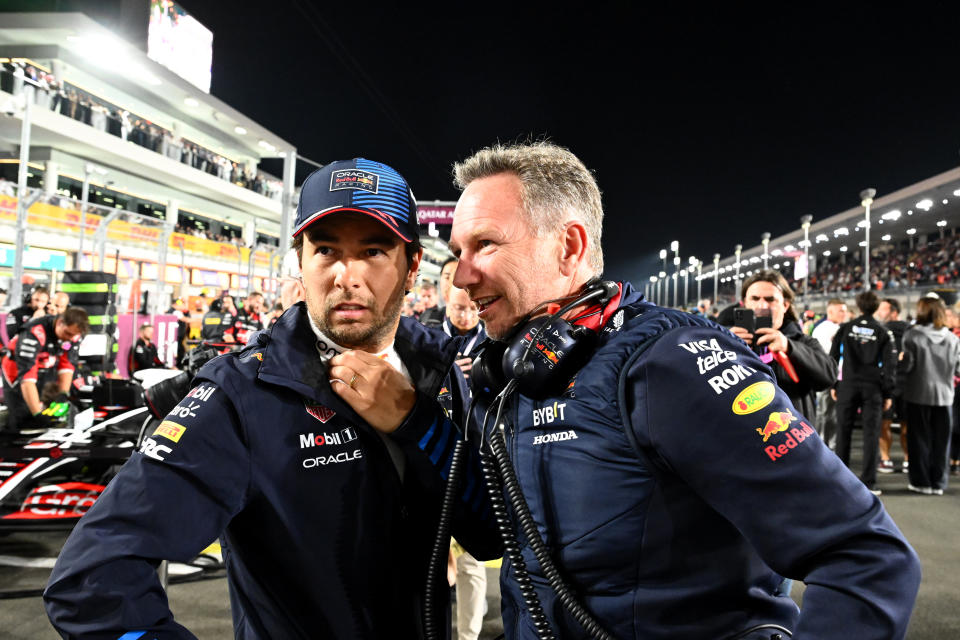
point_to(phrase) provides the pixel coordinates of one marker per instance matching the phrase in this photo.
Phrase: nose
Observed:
(466, 274)
(349, 273)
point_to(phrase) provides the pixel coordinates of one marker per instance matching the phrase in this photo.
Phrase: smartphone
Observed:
(745, 318)
(764, 320)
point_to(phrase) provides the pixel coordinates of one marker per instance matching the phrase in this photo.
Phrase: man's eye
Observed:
(483, 244)
(323, 251)
(375, 252)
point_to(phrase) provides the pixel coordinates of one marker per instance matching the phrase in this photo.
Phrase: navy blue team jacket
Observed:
(675, 484)
(321, 537)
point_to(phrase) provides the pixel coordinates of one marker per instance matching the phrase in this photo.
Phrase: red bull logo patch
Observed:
(794, 437)
(777, 422)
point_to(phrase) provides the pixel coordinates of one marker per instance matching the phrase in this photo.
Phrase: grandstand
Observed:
(132, 168)
(914, 247)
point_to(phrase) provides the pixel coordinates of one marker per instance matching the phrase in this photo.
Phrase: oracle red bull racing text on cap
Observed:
(362, 186)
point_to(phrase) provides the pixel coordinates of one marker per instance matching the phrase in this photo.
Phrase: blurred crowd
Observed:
(892, 266)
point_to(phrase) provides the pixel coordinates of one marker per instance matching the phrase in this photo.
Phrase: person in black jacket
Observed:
(144, 352)
(867, 354)
(17, 318)
(317, 454)
(768, 293)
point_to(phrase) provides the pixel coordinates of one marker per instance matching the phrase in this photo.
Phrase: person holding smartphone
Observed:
(768, 323)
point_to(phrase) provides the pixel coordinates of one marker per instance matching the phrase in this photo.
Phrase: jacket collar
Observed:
(289, 356)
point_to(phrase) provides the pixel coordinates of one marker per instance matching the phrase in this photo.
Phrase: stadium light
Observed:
(911, 231)
(765, 241)
(843, 249)
(926, 204)
(826, 254)
(956, 192)
(821, 237)
(191, 102)
(240, 130)
(716, 274)
(805, 225)
(841, 231)
(885, 238)
(736, 289)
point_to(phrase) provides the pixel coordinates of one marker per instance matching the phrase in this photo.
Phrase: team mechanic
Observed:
(282, 450)
(44, 351)
(672, 481)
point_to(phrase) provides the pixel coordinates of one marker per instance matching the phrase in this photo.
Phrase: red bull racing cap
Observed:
(361, 186)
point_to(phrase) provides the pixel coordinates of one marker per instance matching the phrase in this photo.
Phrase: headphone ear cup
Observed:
(486, 374)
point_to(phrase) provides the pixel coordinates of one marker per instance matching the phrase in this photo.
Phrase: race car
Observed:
(49, 479)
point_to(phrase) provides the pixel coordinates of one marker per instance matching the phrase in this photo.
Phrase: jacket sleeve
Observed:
(813, 365)
(734, 438)
(434, 434)
(169, 501)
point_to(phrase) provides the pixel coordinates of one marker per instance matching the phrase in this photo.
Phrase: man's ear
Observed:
(412, 273)
(573, 247)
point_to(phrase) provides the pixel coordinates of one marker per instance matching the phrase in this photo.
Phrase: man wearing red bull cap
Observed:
(317, 453)
(672, 483)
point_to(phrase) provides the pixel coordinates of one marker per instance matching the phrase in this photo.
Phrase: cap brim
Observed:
(383, 219)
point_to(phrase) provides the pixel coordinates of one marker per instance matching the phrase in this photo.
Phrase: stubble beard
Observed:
(355, 335)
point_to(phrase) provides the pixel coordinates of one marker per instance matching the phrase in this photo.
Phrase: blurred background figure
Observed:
(291, 287)
(60, 301)
(889, 314)
(932, 356)
(463, 319)
(33, 309)
(143, 355)
(432, 313)
(867, 356)
(823, 332)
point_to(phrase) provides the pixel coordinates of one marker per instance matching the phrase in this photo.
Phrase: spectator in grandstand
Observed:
(767, 293)
(432, 313)
(867, 354)
(826, 406)
(44, 350)
(247, 319)
(143, 355)
(320, 468)
(32, 310)
(932, 356)
(889, 314)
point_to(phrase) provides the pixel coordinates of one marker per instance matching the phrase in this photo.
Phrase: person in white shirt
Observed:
(826, 406)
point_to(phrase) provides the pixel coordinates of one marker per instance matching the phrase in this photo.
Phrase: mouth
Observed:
(349, 311)
(484, 303)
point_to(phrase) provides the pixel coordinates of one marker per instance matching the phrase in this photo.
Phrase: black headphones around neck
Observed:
(540, 355)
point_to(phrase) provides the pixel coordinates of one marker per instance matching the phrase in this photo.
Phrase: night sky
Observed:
(707, 126)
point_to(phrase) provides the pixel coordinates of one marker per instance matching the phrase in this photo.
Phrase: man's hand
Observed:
(373, 388)
(742, 333)
(466, 364)
(887, 403)
(41, 421)
(773, 338)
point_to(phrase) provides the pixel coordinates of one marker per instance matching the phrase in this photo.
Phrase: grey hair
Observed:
(556, 188)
